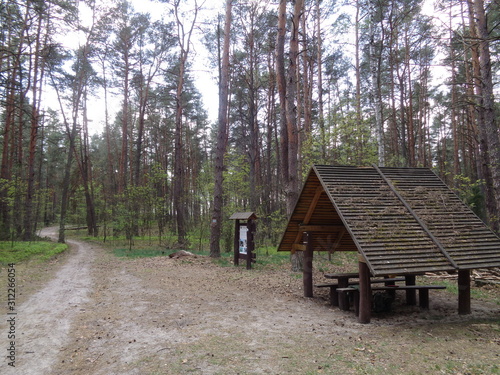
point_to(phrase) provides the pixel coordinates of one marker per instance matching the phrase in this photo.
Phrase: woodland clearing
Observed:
(89, 312)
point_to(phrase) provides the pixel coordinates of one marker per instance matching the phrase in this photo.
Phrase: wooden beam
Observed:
(337, 241)
(320, 228)
(236, 242)
(313, 205)
(308, 266)
(411, 295)
(310, 211)
(336, 244)
(298, 247)
(464, 307)
(365, 293)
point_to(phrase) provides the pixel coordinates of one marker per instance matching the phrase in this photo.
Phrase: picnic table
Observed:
(423, 293)
(344, 280)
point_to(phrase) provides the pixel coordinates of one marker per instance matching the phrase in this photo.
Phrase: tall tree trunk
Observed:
(12, 64)
(30, 190)
(375, 62)
(321, 114)
(124, 161)
(179, 195)
(287, 88)
(282, 92)
(253, 124)
(357, 68)
(216, 224)
(305, 96)
(491, 128)
(411, 125)
(292, 188)
(86, 173)
(471, 135)
(110, 159)
(489, 145)
(454, 125)
(7, 151)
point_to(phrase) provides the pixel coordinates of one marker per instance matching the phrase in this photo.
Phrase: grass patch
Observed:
(138, 252)
(476, 293)
(15, 252)
(149, 246)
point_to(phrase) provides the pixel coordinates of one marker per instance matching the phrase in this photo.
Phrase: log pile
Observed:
(181, 254)
(480, 276)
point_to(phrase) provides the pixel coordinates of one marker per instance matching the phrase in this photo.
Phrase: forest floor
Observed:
(89, 312)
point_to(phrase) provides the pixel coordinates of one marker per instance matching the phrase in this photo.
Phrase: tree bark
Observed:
(216, 224)
(292, 188)
(282, 92)
(489, 142)
(184, 39)
(321, 114)
(287, 88)
(29, 219)
(375, 82)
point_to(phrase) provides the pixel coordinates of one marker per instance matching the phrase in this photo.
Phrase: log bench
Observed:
(334, 297)
(423, 293)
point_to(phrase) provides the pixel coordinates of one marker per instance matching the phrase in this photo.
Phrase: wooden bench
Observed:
(423, 293)
(334, 298)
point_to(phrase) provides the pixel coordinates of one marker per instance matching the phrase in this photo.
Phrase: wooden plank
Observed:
(320, 228)
(408, 287)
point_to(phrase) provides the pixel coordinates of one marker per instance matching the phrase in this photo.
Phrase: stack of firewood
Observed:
(480, 276)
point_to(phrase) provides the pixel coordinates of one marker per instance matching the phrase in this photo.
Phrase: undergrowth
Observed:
(15, 252)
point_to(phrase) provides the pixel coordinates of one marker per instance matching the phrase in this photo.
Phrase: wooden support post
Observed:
(423, 298)
(411, 294)
(392, 293)
(308, 266)
(334, 296)
(365, 293)
(343, 298)
(236, 242)
(251, 243)
(464, 292)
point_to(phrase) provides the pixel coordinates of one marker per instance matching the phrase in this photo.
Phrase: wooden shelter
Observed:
(401, 221)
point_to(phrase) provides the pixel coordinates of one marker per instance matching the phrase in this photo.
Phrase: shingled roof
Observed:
(401, 220)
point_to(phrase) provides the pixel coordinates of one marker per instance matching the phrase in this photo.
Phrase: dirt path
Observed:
(103, 315)
(44, 320)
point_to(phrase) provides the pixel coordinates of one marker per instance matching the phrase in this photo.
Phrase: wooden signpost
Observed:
(244, 244)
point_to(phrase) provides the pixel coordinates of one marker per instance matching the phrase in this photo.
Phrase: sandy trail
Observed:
(43, 322)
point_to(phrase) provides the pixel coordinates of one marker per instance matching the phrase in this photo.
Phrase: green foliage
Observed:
(270, 228)
(471, 193)
(15, 252)
(268, 257)
(352, 141)
(139, 252)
